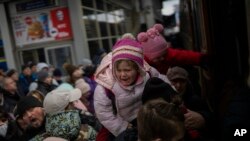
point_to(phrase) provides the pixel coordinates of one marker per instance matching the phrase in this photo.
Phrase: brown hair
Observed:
(71, 69)
(37, 94)
(159, 119)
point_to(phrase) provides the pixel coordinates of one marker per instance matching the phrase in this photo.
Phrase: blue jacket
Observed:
(25, 82)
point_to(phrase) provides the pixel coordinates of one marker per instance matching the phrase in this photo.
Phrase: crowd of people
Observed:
(138, 91)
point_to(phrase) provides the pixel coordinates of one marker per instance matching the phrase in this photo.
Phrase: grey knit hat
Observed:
(177, 73)
(42, 75)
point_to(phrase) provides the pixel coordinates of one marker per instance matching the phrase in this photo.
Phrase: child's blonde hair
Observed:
(37, 94)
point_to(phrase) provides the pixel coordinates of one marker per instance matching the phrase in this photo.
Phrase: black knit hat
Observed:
(25, 104)
(157, 88)
(89, 70)
(57, 72)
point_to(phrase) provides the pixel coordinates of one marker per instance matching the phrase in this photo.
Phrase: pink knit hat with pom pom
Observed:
(128, 48)
(152, 41)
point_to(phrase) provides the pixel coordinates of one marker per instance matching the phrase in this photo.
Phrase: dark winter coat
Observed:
(13, 132)
(45, 88)
(9, 101)
(195, 102)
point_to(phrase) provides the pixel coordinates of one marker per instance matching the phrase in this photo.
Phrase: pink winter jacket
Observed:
(128, 100)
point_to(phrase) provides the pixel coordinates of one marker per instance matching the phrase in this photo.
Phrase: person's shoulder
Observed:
(99, 89)
(21, 76)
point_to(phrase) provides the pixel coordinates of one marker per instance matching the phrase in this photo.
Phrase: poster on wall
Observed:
(43, 26)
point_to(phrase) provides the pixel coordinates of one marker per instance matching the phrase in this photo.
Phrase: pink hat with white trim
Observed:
(128, 48)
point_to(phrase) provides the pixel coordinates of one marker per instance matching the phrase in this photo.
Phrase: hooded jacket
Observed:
(68, 125)
(127, 99)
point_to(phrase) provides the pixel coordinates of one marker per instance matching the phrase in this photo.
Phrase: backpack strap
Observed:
(111, 96)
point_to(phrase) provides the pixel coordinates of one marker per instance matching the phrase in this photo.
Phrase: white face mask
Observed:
(3, 129)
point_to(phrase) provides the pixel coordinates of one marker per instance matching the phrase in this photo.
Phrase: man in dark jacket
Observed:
(10, 94)
(26, 78)
(196, 111)
(44, 81)
(12, 73)
(30, 118)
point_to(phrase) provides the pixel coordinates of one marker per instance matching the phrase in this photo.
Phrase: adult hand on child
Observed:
(193, 120)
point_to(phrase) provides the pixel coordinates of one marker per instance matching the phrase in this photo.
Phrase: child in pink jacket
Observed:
(123, 73)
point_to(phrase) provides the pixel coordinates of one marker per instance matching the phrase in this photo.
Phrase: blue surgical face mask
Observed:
(3, 129)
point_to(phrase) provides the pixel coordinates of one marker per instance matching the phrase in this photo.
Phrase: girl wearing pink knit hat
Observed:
(159, 54)
(121, 78)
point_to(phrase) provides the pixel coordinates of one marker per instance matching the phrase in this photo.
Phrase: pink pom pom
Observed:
(152, 32)
(142, 37)
(158, 27)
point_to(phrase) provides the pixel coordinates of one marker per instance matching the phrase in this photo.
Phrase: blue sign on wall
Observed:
(34, 4)
(3, 63)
